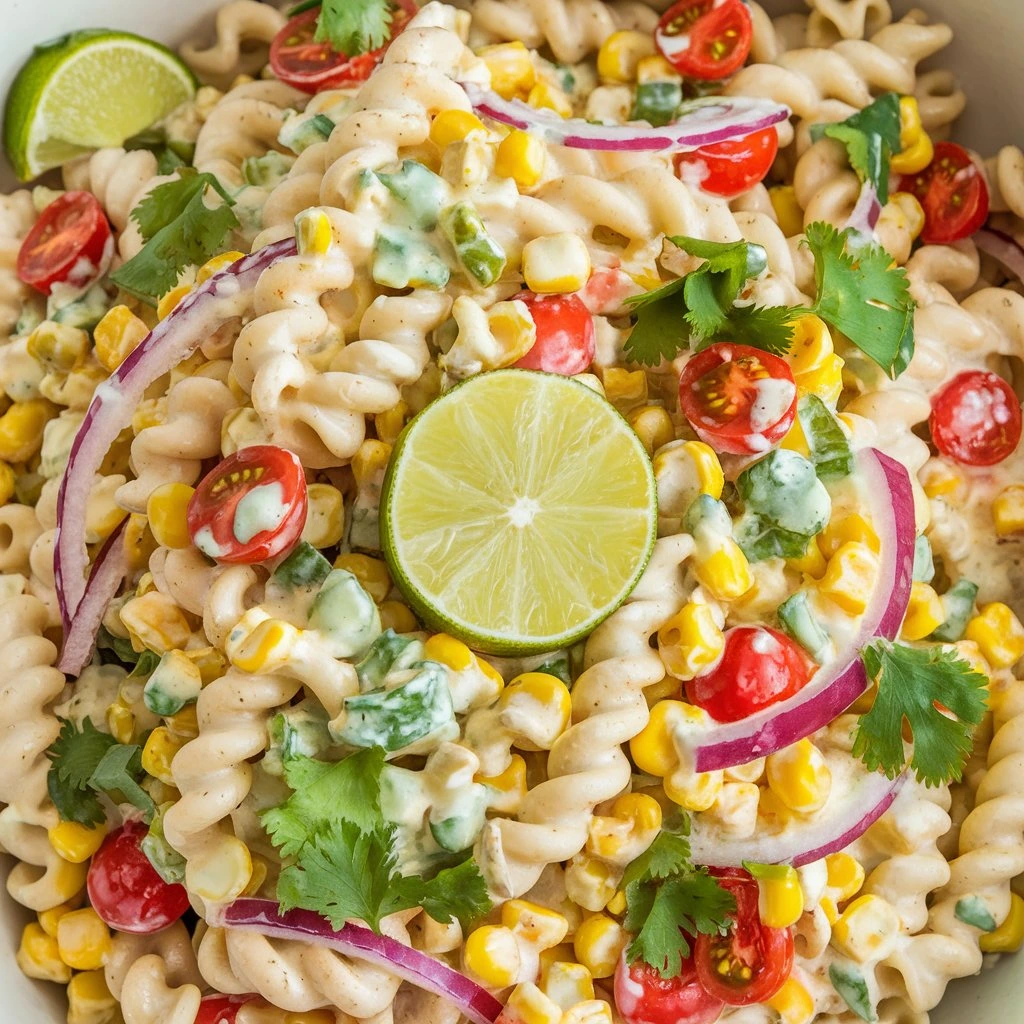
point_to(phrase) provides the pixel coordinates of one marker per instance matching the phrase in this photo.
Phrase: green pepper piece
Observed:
(829, 448)
(972, 911)
(798, 621)
(924, 566)
(784, 489)
(422, 192)
(402, 260)
(387, 653)
(958, 603)
(656, 102)
(304, 567)
(851, 985)
(345, 615)
(166, 861)
(299, 731)
(480, 255)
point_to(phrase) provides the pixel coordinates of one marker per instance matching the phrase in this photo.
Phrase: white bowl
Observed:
(986, 58)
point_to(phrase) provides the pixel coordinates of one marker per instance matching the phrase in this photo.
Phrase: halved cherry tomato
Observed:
(217, 1009)
(738, 399)
(976, 418)
(66, 244)
(565, 334)
(643, 996)
(732, 167)
(757, 959)
(251, 507)
(759, 667)
(952, 192)
(298, 60)
(705, 39)
(124, 888)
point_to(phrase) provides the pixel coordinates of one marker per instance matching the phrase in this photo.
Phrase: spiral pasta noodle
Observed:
(17, 215)
(243, 28)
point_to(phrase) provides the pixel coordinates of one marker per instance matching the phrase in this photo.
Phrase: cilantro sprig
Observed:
(940, 697)
(86, 763)
(350, 26)
(179, 230)
(667, 899)
(345, 863)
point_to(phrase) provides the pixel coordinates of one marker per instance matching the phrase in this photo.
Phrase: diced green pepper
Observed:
(84, 312)
(480, 255)
(403, 260)
(170, 688)
(851, 985)
(268, 170)
(458, 832)
(924, 567)
(299, 132)
(958, 603)
(656, 102)
(799, 622)
(709, 513)
(345, 615)
(388, 653)
(304, 567)
(423, 193)
(299, 731)
(557, 665)
(830, 450)
(972, 911)
(166, 861)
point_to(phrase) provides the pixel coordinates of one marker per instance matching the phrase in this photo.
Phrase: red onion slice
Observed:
(410, 964)
(714, 119)
(864, 218)
(175, 338)
(845, 818)
(836, 685)
(1002, 247)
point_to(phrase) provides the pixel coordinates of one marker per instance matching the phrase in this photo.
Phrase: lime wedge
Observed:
(518, 511)
(86, 90)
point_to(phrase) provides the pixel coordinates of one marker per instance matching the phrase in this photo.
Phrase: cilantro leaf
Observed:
(459, 892)
(668, 855)
(660, 331)
(769, 328)
(705, 313)
(861, 294)
(180, 230)
(325, 793)
(117, 773)
(871, 137)
(912, 681)
(353, 27)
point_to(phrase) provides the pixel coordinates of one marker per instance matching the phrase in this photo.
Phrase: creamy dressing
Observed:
(260, 510)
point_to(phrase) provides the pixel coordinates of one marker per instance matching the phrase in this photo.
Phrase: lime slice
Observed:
(86, 90)
(518, 512)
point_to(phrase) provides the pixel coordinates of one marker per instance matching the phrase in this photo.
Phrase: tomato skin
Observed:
(953, 194)
(124, 888)
(768, 952)
(642, 996)
(732, 167)
(736, 373)
(71, 229)
(312, 67)
(746, 678)
(976, 418)
(565, 334)
(218, 1009)
(212, 509)
(705, 39)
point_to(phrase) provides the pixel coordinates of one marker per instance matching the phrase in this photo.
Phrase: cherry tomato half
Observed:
(124, 888)
(730, 168)
(976, 418)
(758, 959)
(705, 39)
(738, 399)
(218, 1009)
(299, 61)
(643, 996)
(952, 192)
(251, 507)
(565, 334)
(66, 244)
(759, 667)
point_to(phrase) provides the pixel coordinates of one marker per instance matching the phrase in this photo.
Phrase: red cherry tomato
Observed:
(642, 996)
(952, 192)
(976, 418)
(219, 1009)
(66, 244)
(738, 399)
(758, 668)
(298, 60)
(565, 334)
(124, 888)
(251, 507)
(705, 39)
(732, 167)
(759, 959)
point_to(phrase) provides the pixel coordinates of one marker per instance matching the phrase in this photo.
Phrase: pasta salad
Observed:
(510, 512)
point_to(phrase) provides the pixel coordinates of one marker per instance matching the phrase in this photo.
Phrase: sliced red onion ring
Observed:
(1002, 247)
(836, 685)
(845, 818)
(864, 218)
(175, 338)
(714, 119)
(410, 964)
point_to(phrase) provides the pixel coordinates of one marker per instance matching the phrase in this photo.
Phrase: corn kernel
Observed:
(370, 462)
(845, 876)
(620, 54)
(811, 563)
(121, 722)
(325, 522)
(492, 954)
(508, 788)
(625, 389)
(788, 211)
(511, 68)
(448, 651)
(590, 883)
(166, 511)
(156, 622)
(800, 777)
(83, 940)
(21, 429)
(38, 956)
(313, 233)
(724, 570)
(555, 264)
(998, 634)
(216, 264)
(184, 724)
(598, 944)
(1009, 936)
(924, 613)
(652, 425)
(521, 157)
(691, 641)
(389, 424)
(549, 693)
(89, 999)
(8, 481)
(780, 898)
(590, 1011)
(545, 96)
(793, 1003)
(630, 828)
(263, 647)
(221, 872)
(851, 528)
(653, 749)
(1008, 510)
(656, 69)
(397, 616)
(74, 842)
(940, 480)
(58, 347)
(850, 577)
(451, 126)
(617, 904)
(816, 368)
(867, 929)
(169, 300)
(535, 924)
(693, 791)
(910, 211)
(159, 752)
(49, 919)
(528, 1005)
(372, 574)
(916, 150)
(567, 983)
(150, 412)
